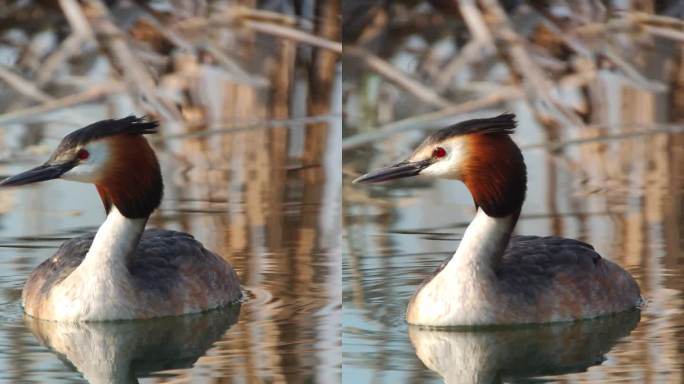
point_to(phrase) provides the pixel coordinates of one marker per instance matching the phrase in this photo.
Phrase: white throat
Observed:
(101, 288)
(114, 241)
(483, 242)
(456, 293)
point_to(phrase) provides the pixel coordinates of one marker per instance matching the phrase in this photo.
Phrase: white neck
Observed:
(483, 242)
(456, 293)
(101, 288)
(115, 241)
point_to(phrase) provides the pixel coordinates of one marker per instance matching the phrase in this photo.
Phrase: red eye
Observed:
(83, 154)
(438, 152)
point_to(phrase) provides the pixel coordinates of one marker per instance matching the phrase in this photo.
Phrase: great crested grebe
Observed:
(493, 277)
(123, 271)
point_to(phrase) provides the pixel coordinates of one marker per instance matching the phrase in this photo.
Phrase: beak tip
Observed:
(396, 171)
(40, 173)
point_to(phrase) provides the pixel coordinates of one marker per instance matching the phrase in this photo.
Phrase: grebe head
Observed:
(113, 155)
(478, 152)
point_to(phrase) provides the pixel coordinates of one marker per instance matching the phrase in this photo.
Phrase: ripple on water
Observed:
(10, 298)
(257, 295)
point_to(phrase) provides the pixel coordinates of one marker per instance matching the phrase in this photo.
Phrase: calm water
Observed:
(625, 198)
(280, 234)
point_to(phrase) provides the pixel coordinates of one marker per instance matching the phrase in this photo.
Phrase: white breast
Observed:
(462, 293)
(101, 287)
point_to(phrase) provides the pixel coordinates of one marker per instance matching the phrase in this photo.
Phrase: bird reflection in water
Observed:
(503, 353)
(122, 351)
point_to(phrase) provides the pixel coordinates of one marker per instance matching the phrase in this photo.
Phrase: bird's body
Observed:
(537, 280)
(123, 271)
(171, 273)
(493, 277)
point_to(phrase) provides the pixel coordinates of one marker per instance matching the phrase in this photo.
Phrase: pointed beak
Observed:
(43, 172)
(396, 171)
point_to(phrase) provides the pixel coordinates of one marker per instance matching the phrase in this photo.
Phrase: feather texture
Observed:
(171, 273)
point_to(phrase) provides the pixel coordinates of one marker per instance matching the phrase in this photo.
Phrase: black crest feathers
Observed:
(502, 124)
(130, 125)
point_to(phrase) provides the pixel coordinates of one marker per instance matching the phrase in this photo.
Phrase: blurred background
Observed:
(248, 94)
(597, 90)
